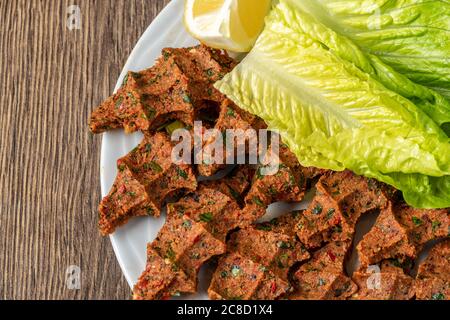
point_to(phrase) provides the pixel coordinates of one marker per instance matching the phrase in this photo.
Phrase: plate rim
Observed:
(165, 14)
(164, 17)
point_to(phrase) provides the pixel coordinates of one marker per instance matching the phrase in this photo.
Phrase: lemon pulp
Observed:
(226, 24)
(205, 7)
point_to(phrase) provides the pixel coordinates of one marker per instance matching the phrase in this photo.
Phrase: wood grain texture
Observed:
(51, 78)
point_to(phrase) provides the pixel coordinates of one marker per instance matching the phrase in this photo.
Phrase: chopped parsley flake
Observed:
(119, 102)
(330, 213)
(317, 209)
(236, 271)
(182, 173)
(150, 211)
(125, 80)
(258, 201)
(186, 98)
(151, 112)
(234, 193)
(187, 224)
(206, 217)
(417, 222)
(170, 254)
(435, 225)
(155, 167)
(230, 112)
(438, 296)
(166, 55)
(264, 227)
(132, 98)
(283, 245)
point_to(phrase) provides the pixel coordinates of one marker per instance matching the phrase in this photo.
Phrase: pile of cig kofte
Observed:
(299, 255)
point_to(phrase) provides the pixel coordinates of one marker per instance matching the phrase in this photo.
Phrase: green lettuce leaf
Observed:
(334, 115)
(434, 104)
(412, 36)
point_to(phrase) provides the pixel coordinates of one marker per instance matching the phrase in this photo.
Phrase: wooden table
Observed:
(51, 78)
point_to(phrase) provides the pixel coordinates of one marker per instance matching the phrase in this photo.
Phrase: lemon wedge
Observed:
(226, 24)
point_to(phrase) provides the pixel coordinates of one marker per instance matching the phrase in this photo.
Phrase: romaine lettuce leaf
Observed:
(419, 190)
(333, 114)
(434, 104)
(412, 36)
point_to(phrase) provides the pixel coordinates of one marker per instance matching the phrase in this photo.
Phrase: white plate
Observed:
(130, 241)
